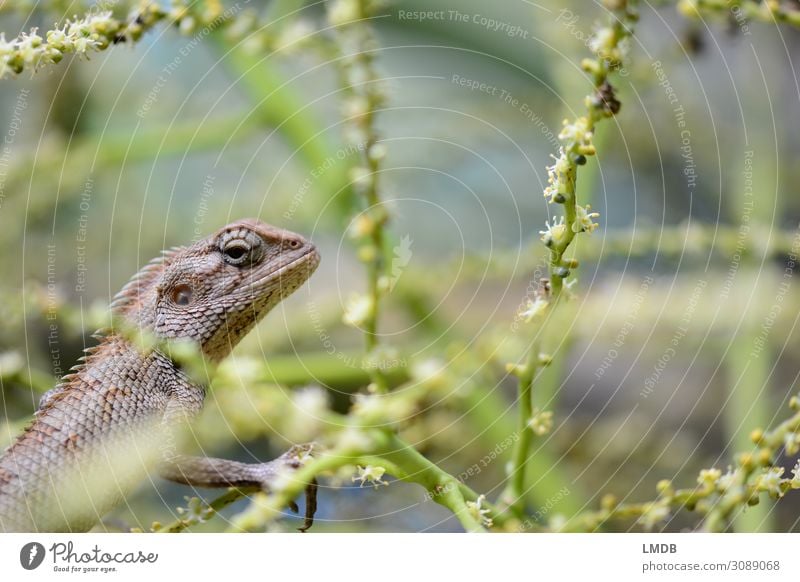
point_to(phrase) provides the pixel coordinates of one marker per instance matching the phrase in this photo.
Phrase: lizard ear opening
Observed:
(182, 295)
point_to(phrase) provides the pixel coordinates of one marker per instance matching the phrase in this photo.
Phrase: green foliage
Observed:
(380, 414)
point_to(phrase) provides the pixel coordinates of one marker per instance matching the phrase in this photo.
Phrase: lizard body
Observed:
(114, 419)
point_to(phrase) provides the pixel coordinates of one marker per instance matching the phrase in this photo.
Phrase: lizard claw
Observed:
(294, 458)
(311, 506)
(298, 455)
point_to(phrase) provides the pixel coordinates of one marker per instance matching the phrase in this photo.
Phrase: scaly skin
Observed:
(116, 417)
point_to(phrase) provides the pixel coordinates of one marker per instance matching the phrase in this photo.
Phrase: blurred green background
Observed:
(107, 161)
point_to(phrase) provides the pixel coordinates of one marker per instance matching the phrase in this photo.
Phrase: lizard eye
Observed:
(235, 252)
(241, 248)
(182, 295)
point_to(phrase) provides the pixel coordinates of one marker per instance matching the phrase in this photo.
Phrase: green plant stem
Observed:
(514, 494)
(398, 458)
(321, 367)
(557, 250)
(747, 406)
(356, 45)
(550, 469)
(445, 489)
(748, 399)
(489, 416)
(375, 266)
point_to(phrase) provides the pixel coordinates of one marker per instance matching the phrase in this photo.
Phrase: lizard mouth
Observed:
(310, 257)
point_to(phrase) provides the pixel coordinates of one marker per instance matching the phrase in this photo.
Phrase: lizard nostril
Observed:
(294, 244)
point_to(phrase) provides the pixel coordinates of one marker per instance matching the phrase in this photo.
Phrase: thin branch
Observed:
(765, 11)
(609, 45)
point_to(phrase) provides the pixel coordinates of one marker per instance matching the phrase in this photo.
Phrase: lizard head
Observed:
(214, 291)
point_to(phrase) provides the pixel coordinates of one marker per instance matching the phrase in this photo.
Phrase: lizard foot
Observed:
(293, 459)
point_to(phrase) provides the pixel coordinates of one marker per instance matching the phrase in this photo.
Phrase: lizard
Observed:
(116, 417)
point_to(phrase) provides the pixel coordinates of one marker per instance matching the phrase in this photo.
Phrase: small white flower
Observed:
(796, 474)
(294, 36)
(541, 422)
(358, 310)
(58, 39)
(187, 25)
(771, 482)
(726, 481)
(10, 364)
(602, 42)
(6, 48)
(308, 414)
(82, 44)
(558, 522)
(479, 512)
(354, 439)
(791, 443)
(371, 475)
(76, 29)
(430, 371)
(311, 401)
(343, 12)
(29, 48)
(583, 219)
(360, 175)
(369, 406)
(654, 514)
(554, 232)
(377, 152)
(4, 68)
(102, 25)
(577, 132)
(534, 309)
(556, 174)
(709, 477)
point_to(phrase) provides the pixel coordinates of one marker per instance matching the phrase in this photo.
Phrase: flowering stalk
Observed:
(196, 512)
(97, 31)
(390, 453)
(609, 45)
(365, 97)
(717, 496)
(765, 11)
(90, 33)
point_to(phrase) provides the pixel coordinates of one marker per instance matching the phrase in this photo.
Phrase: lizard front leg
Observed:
(185, 404)
(213, 472)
